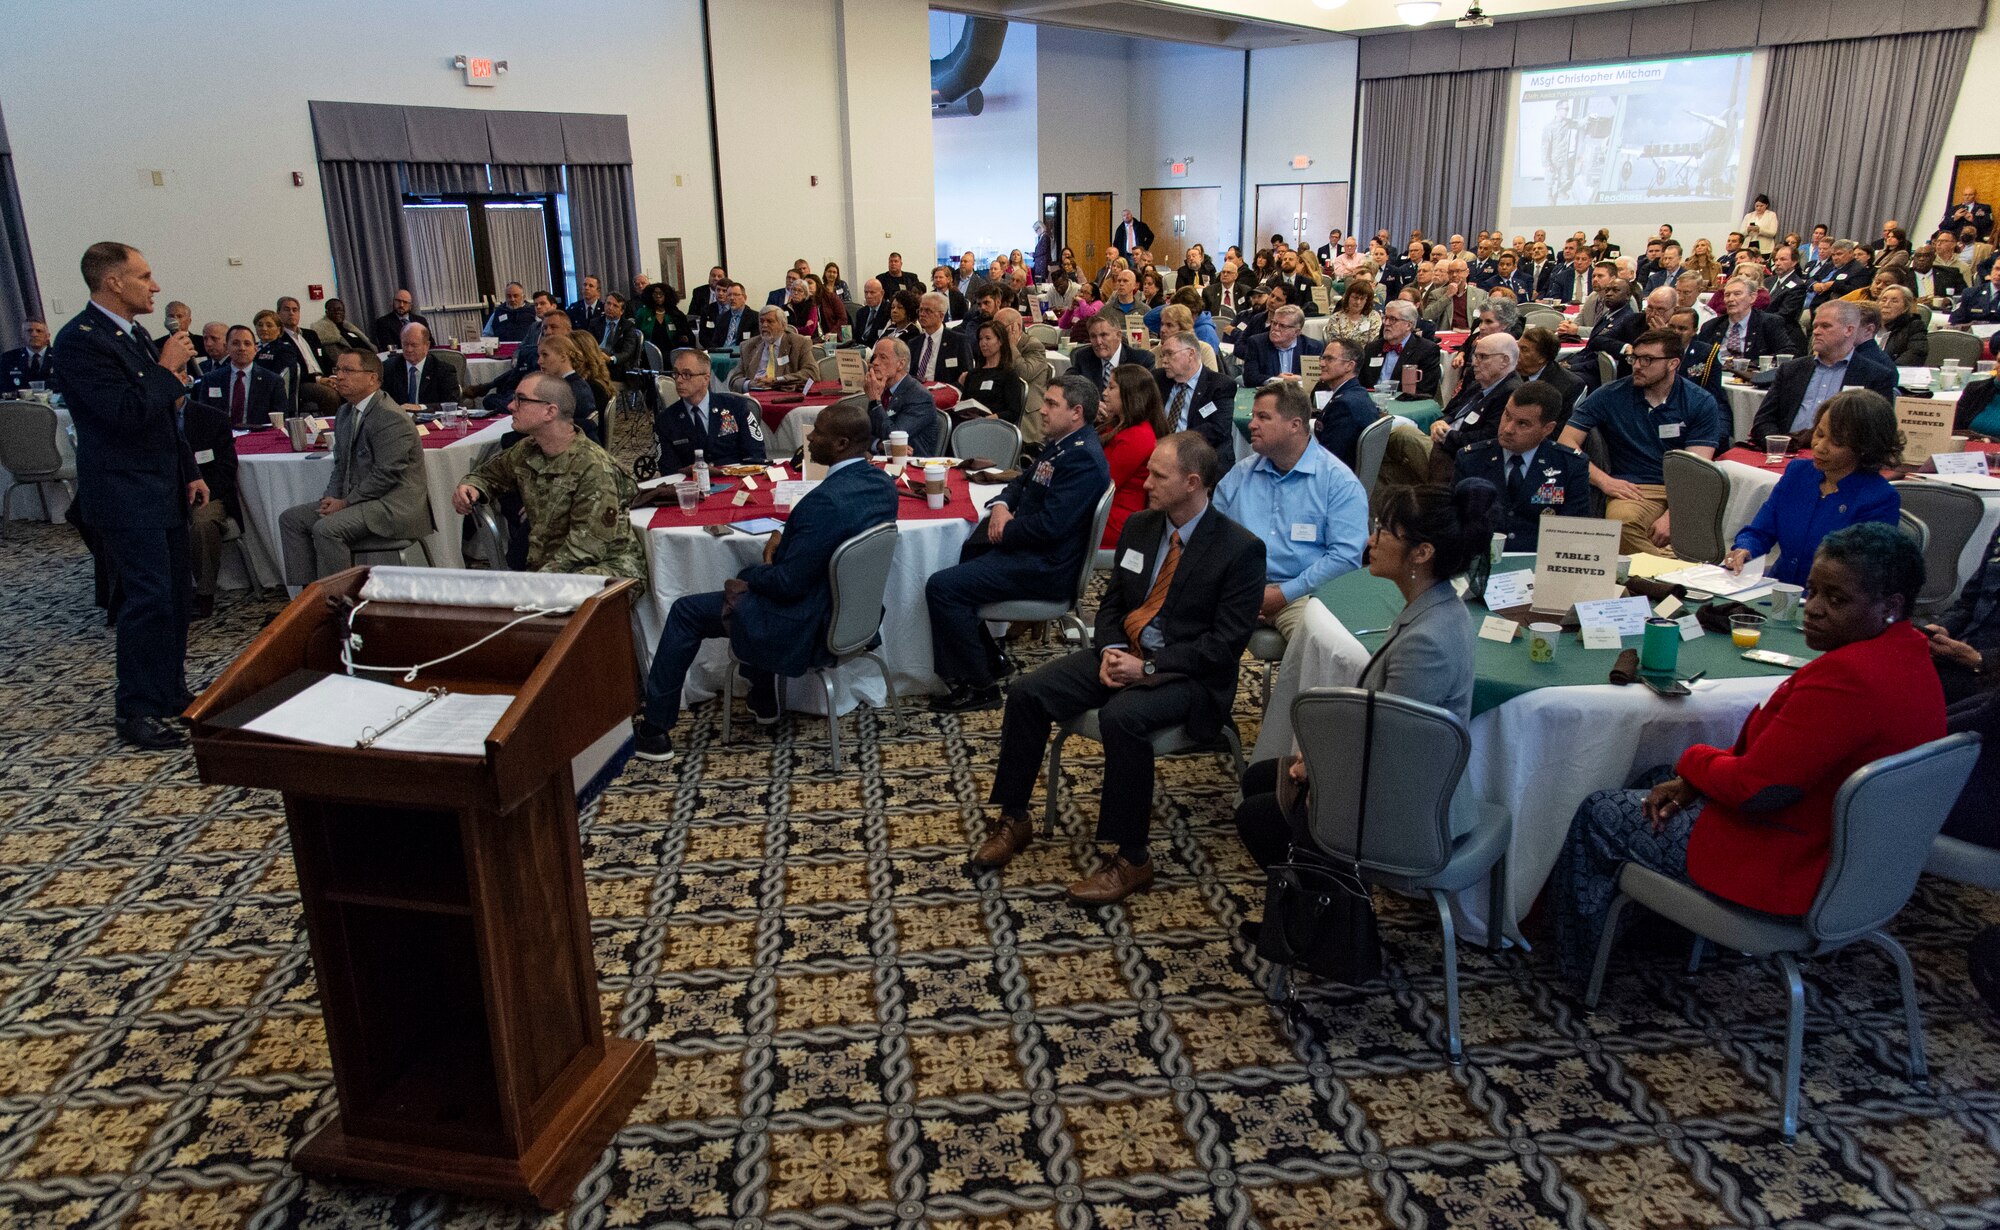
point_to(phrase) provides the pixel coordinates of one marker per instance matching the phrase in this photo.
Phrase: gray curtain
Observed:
(364, 221)
(1854, 166)
(511, 177)
(1429, 157)
(437, 178)
(20, 295)
(604, 234)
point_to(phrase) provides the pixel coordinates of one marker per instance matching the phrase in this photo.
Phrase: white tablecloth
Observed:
(1315, 328)
(269, 483)
(485, 371)
(1750, 486)
(51, 502)
(690, 560)
(1540, 754)
(1746, 399)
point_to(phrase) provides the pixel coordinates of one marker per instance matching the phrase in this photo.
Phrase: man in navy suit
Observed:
(732, 322)
(413, 378)
(1031, 545)
(1196, 399)
(727, 429)
(896, 402)
(1572, 282)
(1177, 612)
(1277, 353)
(387, 328)
(136, 478)
(1348, 409)
(1536, 476)
(775, 614)
(1107, 350)
(247, 394)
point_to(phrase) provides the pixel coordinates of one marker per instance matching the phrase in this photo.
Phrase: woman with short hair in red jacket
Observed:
(1753, 823)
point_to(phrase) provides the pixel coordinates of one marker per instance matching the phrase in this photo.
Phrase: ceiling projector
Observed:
(1475, 19)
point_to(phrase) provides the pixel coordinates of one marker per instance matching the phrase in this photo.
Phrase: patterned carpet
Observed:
(853, 1031)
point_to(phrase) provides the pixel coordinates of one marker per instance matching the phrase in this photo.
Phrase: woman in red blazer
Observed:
(1753, 823)
(1130, 421)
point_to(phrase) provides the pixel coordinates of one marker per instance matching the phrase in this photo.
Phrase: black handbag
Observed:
(1318, 913)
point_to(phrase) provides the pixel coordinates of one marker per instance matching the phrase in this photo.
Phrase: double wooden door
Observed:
(1181, 218)
(1302, 213)
(1087, 227)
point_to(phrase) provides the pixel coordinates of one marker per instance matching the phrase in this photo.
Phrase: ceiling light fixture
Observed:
(1417, 12)
(1329, 4)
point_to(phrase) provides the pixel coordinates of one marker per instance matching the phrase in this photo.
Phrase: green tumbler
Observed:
(1660, 647)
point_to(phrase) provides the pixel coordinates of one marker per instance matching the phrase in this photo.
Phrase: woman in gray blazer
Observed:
(1424, 537)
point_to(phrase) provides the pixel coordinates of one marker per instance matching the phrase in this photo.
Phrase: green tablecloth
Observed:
(721, 363)
(1503, 672)
(1422, 413)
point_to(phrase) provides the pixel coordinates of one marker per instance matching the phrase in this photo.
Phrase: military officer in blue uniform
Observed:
(136, 478)
(1536, 476)
(729, 430)
(1032, 545)
(33, 363)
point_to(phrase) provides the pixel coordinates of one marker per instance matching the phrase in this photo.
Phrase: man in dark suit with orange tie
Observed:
(136, 478)
(1176, 615)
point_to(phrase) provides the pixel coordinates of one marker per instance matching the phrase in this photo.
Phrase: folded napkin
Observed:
(1715, 616)
(1652, 590)
(1626, 668)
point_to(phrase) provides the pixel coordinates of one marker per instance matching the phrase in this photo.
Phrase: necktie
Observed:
(1514, 476)
(306, 354)
(770, 360)
(238, 401)
(1176, 414)
(140, 336)
(414, 378)
(1735, 344)
(924, 361)
(1136, 622)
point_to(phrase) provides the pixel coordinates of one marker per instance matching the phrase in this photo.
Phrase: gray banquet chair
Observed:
(1067, 610)
(1885, 820)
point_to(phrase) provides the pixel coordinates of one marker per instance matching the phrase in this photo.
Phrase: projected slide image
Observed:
(1657, 132)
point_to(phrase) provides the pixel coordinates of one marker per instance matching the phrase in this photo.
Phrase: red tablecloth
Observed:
(1754, 457)
(720, 508)
(777, 405)
(265, 442)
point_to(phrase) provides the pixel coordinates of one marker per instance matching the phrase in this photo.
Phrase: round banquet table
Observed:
(482, 370)
(683, 558)
(1745, 398)
(271, 478)
(1751, 481)
(50, 501)
(1544, 735)
(788, 417)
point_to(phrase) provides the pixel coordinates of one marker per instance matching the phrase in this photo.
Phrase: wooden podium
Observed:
(444, 895)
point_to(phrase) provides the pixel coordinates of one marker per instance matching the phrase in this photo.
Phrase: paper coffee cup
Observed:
(277, 420)
(934, 488)
(1542, 642)
(899, 444)
(1785, 602)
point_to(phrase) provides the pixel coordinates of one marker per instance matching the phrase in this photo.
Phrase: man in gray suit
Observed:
(377, 486)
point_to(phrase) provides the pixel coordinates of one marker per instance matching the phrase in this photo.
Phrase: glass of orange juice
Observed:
(1746, 630)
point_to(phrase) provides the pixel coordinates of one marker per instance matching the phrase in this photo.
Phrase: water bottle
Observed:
(700, 477)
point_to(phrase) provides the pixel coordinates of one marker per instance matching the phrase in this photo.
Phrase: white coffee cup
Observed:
(1786, 600)
(899, 444)
(934, 485)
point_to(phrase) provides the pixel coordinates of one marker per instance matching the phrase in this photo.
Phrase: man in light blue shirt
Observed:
(1307, 506)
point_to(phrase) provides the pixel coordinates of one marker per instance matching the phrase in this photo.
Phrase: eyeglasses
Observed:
(688, 375)
(525, 400)
(1648, 358)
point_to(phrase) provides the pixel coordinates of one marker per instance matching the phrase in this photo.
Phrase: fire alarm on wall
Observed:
(815, 180)
(315, 292)
(298, 179)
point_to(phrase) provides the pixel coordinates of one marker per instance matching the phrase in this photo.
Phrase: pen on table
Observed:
(1369, 631)
(1695, 678)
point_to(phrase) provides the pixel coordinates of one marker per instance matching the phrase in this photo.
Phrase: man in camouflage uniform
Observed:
(576, 498)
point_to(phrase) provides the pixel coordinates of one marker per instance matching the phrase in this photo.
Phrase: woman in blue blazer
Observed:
(1838, 484)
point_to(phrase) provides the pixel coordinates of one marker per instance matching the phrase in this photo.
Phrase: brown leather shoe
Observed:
(1008, 836)
(1119, 880)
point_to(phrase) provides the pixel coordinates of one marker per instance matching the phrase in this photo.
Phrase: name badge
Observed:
(214, 394)
(1304, 531)
(783, 360)
(1472, 418)
(951, 362)
(1133, 562)
(1670, 431)
(204, 457)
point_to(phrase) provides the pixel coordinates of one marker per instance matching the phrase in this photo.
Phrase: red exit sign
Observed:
(479, 71)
